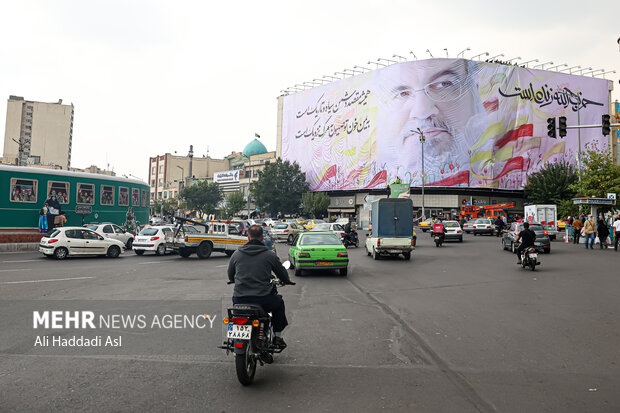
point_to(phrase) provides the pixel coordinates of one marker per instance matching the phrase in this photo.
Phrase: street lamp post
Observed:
(422, 140)
(478, 55)
(529, 61)
(463, 52)
(182, 180)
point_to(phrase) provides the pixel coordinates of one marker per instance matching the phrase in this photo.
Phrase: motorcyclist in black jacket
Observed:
(499, 225)
(527, 237)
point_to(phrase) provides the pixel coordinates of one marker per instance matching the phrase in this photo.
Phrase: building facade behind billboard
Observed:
(484, 124)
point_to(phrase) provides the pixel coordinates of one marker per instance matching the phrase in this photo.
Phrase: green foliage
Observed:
(599, 175)
(279, 188)
(234, 203)
(315, 203)
(566, 209)
(169, 205)
(203, 197)
(552, 184)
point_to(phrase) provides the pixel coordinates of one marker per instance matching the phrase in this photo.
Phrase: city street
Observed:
(459, 328)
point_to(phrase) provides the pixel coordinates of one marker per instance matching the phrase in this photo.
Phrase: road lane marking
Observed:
(23, 261)
(17, 269)
(149, 262)
(221, 266)
(45, 281)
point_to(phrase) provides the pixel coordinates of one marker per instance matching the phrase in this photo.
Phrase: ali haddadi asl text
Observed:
(78, 341)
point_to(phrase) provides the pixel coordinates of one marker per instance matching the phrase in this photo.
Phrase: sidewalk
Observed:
(19, 246)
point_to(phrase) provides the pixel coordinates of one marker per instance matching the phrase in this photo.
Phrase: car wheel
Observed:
(114, 251)
(423, 230)
(129, 244)
(139, 252)
(407, 256)
(229, 253)
(297, 272)
(61, 253)
(475, 234)
(461, 239)
(161, 249)
(289, 240)
(375, 256)
(343, 272)
(292, 262)
(512, 248)
(184, 252)
(503, 245)
(547, 250)
(204, 250)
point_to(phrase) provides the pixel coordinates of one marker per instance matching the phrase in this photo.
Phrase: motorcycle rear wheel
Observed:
(245, 365)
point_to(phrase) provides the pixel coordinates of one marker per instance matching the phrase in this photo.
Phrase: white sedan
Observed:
(330, 226)
(152, 239)
(109, 230)
(68, 241)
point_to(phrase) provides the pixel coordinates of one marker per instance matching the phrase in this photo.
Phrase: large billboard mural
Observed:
(484, 125)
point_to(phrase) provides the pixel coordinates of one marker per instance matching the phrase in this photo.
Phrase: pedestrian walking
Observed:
(616, 232)
(590, 229)
(577, 227)
(610, 225)
(569, 228)
(602, 231)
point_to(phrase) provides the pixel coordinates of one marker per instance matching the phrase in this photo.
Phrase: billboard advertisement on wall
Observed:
(484, 125)
(226, 177)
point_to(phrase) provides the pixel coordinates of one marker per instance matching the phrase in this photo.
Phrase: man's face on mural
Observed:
(437, 97)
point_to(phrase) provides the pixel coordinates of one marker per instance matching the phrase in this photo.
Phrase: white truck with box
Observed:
(546, 215)
(392, 228)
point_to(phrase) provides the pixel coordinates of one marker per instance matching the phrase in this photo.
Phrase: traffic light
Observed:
(551, 127)
(606, 125)
(562, 126)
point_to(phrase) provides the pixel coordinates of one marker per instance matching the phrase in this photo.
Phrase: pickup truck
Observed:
(392, 228)
(220, 236)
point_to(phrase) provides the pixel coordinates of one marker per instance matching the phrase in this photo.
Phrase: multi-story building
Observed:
(253, 159)
(94, 169)
(168, 173)
(38, 133)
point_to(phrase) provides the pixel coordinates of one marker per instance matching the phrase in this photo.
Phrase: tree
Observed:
(315, 203)
(599, 175)
(203, 197)
(169, 205)
(552, 184)
(234, 203)
(279, 187)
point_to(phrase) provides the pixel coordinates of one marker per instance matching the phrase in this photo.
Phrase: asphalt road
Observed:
(459, 328)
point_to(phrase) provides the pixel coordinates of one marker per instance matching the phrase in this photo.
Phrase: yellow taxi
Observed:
(426, 225)
(310, 224)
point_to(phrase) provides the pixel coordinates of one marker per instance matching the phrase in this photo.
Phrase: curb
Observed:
(19, 246)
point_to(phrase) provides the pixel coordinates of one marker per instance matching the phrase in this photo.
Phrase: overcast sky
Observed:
(150, 77)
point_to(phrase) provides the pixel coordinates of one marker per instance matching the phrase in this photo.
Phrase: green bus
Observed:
(24, 191)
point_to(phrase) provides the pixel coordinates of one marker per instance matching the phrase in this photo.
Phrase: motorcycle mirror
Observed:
(286, 264)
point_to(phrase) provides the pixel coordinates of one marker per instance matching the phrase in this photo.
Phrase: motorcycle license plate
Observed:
(243, 332)
(437, 237)
(533, 256)
(325, 263)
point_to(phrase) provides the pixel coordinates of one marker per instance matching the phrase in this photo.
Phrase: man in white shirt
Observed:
(616, 232)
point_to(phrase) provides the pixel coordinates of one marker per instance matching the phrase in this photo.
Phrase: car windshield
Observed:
(451, 224)
(321, 227)
(281, 226)
(535, 228)
(149, 231)
(93, 227)
(320, 239)
(484, 221)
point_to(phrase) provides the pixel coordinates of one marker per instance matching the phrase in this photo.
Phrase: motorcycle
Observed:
(351, 238)
(529, 258)
(249, 336)
(438, 238)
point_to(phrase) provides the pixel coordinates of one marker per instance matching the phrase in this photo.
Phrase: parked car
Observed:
(287, 231)
(271, 222)
(152, 239)
(542, 242)
(454, 231)
(318, 251)
(109, 230)
(483, 226)
(331, 227)
(64, 242)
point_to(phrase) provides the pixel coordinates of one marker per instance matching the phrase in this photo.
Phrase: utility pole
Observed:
(422, 140)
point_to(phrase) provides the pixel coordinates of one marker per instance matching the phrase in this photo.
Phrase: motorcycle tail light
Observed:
(343, 254)
(226, 320)
(52, 241)
(154, 238)
(255, 323)
(546, 233)
(239, 320)
(239, 345)
(304, 255)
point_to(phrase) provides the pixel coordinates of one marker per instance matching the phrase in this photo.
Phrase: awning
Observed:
(348, 210)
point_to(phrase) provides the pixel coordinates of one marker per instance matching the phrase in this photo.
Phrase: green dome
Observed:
(254, 148)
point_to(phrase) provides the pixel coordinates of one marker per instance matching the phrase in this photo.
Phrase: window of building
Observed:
(23, 190)
(86, 194)
(161, 168)
(152, 182)
(107, 195)
(165, 194)
(60, 190)
(135, 197)
(145, 198)
(123, 196)
(159, 195)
